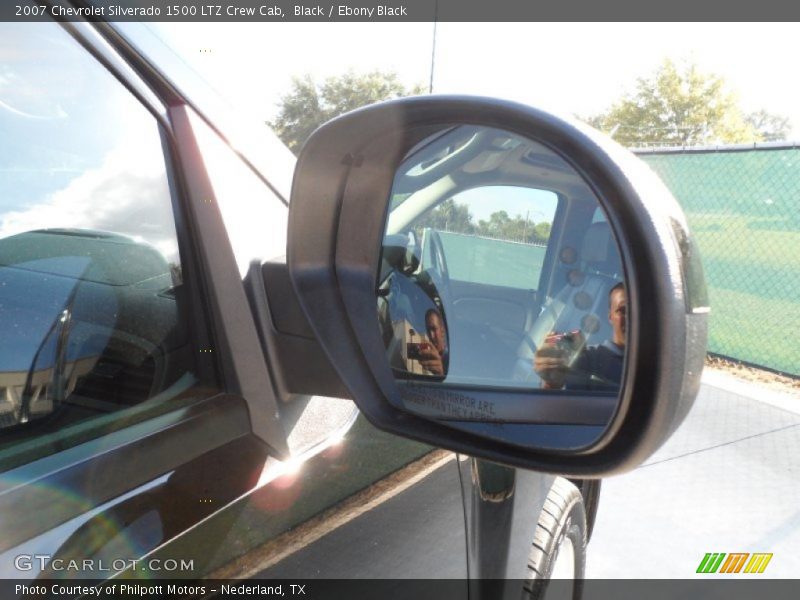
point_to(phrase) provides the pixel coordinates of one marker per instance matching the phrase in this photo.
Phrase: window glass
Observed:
(92, 317)
(494, 235)
(599, 216)
(254, 216)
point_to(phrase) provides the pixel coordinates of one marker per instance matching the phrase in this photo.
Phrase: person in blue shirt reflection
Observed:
(563, 361)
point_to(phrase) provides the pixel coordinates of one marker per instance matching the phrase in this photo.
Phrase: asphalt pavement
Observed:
(727, 481)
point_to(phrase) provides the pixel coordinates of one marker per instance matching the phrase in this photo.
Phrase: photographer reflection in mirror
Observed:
(414, 325)
(436, 356)
(565, 362)
(427, 354)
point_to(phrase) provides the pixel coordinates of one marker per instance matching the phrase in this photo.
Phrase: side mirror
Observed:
(492, 279)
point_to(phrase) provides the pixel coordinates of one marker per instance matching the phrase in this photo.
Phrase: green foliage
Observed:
(515, 229)
(498, 225)
(456, 218)
(542, 231)
(771, 127)
(449, 216)
(682, 106)
(308, 104)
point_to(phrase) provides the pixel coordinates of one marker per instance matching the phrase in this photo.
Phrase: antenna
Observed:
(433, 47)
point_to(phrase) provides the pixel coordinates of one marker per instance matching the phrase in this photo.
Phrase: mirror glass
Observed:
(501, 296)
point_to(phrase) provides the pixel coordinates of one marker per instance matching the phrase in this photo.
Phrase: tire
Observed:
(560, 534)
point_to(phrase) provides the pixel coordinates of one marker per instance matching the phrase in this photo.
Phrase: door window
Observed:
(494, 235)
(93, 327)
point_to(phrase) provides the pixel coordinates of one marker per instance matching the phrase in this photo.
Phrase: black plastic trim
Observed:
(299, 365)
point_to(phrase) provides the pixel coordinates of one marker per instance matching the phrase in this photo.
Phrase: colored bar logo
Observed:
(714, 562)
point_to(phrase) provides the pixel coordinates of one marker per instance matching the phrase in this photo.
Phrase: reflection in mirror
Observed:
(501, 295)
(418, 344)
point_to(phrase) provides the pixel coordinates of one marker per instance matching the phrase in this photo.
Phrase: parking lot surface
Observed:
(726, 481)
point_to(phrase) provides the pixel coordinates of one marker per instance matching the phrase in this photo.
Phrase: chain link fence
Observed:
(743, 207)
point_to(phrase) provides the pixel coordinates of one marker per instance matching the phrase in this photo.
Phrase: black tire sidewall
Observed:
(571, 524)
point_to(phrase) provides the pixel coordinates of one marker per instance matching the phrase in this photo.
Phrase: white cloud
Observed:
(127, 194)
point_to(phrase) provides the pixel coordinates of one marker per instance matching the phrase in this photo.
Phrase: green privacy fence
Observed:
(492, 262)
(743, 207)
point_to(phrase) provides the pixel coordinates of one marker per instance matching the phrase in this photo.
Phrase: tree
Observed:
(771, 127)
(308, 104)
(456, 218)
(448, 216)
(542, 232)
(680, 107)
(514, 229)
(499, 225)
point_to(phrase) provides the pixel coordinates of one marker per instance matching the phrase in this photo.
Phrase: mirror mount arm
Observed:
(297, 362)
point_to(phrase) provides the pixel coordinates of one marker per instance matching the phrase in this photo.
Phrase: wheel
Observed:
(559, 545)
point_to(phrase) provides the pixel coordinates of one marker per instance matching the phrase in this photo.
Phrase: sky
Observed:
(573, 68)
(576, 68)
(538, 205)
(58, 168)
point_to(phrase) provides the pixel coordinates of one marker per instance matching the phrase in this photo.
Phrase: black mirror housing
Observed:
(338, 209)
